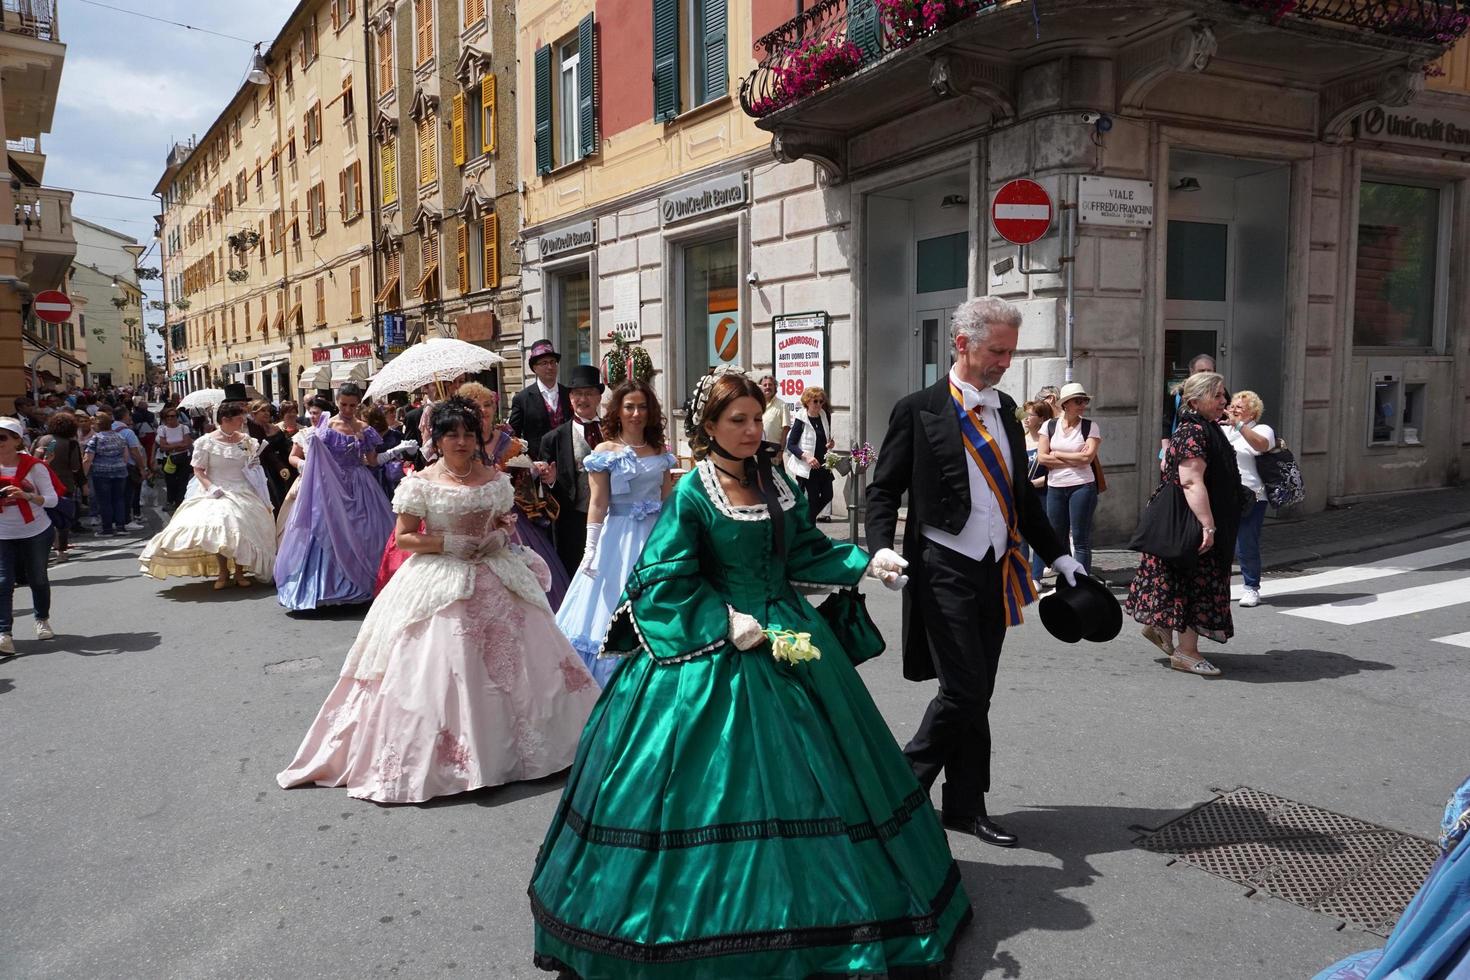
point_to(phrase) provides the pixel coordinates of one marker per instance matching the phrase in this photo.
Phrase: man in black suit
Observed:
(543, 404)
(970, 504)
(560, 465)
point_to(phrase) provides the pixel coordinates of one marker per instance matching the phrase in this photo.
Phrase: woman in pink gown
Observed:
(459, 678)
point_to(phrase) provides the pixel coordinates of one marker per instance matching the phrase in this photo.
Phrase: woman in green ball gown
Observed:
(733, 815)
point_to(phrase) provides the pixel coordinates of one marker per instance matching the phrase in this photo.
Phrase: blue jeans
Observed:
(110, 500)
(29, 554)
(1248, 545)
(1070, 511)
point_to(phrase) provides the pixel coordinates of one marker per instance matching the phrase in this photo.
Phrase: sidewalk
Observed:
(1337, 531)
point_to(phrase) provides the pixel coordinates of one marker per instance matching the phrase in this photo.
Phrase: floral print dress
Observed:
(1197, 598)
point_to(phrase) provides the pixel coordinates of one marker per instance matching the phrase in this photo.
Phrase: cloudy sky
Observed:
(132, 87)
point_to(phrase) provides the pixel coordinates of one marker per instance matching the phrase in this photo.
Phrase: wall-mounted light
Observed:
(1187, 185)
(954, 201)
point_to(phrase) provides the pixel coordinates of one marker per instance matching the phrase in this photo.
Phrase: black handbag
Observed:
(846, 613)
(1168, 528)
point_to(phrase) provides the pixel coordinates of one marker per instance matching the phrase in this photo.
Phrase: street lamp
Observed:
(258, 74)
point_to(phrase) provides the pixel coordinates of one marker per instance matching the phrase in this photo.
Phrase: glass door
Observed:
(930, 353)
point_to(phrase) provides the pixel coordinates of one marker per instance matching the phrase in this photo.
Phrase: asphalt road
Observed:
(143, 834)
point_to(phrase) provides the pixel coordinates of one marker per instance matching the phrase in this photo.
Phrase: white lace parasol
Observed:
(203, 398)
(439, 359)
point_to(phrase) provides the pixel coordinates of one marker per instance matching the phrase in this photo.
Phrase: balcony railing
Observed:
(33, 18)
(836, 38)
(44, 213)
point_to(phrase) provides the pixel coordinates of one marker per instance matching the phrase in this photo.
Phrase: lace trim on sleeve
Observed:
(410, 498)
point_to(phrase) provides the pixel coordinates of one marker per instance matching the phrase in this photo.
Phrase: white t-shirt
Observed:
(1245, 456)
(13, 525)
(1070, 441)
(173, 435)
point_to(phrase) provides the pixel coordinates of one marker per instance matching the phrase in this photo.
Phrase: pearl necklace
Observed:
(641, 445)
(458, 477)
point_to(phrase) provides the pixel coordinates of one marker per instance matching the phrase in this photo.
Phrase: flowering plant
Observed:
(792, 647)
(908, 20)
(864, 455)
(815, 62)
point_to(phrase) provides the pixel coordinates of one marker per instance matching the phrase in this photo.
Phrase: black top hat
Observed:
(540, 349)
(1086, 611)
(235, 392)
(585, 376)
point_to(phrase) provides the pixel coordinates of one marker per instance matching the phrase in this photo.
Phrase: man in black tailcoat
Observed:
(560, 464)
(543, 404)
(960, 551)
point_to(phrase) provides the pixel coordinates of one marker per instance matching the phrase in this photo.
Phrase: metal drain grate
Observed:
(1353, 870)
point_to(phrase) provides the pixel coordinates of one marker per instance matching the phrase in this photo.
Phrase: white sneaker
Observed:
(135, 525)
(44, 630)
(7, 645)
(1250, 597)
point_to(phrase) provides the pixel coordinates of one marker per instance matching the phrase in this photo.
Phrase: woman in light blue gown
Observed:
(628, 476)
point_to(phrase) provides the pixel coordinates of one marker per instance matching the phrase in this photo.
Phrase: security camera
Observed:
(1090, 118)
(752, 278)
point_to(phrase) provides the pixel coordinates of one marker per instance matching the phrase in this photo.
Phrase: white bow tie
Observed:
(988, 398)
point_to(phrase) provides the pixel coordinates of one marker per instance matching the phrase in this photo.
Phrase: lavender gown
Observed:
(334, 538)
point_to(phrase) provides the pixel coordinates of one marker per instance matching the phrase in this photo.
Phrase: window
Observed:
(711, 308)
(260, 232)
(270, 95)
(386, 81)
(291, 152)
(278, 231)
(423, 21)
(390, 172)
(309, 43)
(321, 301)
(569, 137)
(235, 131)
(288, 77)
(275, 159)
(942, 263)
(490, 260)
(240, 187)
(429, 149)
(388, 296)
(295, 314)
(316, 209)
(349, 192)
(1396, 296)
(474, 12)
(254, 108)
(342, 11)
(489, 119)
(429, 256)
(571, 314)
(354, 286)
(457, 128)
(462, 255)
(312, 125)
(566, 99)
(259, 177)
(690, 55)
(249, 327)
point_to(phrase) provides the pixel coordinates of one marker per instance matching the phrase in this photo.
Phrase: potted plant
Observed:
(238, 275)
(182, 304)
(243, 241)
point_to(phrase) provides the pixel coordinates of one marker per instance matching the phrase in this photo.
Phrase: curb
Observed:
(1122, 577)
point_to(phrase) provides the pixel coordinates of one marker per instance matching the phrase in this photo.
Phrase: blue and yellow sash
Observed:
(1014, 571)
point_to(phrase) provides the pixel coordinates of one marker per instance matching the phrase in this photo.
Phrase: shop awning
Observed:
(316, 376)
(390, 288)
(344, 371)
(271, 365)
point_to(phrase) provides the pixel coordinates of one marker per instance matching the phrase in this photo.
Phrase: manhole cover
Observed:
(295, 666)
(1353, 870)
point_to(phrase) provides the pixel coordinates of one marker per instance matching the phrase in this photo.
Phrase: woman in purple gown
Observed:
(330, 549)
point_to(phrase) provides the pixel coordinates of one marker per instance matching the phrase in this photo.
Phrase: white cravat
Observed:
(985, 530)
(551, 396)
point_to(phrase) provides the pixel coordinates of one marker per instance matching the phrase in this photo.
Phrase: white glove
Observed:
(406, 448)
(1068, 568)
(887, 567)
(745, 630)
(216, 492)
(589, 554)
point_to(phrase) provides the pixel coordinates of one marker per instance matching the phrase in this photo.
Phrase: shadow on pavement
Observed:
(493, 796)
(331, 614)
(203, 590)
(1299, 600)
(88, 579)
(102, 645)
(1290, 666)
(1013, 899)
(6, 685)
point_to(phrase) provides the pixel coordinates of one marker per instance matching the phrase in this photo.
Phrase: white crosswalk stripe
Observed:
(1358, 609)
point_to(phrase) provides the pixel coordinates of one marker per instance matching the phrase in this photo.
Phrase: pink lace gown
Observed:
(459, 677)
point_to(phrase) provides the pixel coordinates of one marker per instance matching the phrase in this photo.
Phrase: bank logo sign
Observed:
(1441, 127)
(569, 239)
(716, 194)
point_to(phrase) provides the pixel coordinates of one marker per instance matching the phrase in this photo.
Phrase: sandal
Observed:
(1198, 665)
(1160, 638)
(221, 583)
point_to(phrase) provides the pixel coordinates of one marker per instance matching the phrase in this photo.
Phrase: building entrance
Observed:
(1226, 268)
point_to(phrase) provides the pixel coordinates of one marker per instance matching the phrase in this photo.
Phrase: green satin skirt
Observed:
(734, 817)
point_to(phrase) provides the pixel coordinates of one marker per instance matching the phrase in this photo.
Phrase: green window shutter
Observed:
(862, 27)
(587, 86)
(544, 161)
(716, 45)
(665, 59)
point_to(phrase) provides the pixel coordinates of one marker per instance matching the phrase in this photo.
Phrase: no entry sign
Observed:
(1021, 212)
(52, 306)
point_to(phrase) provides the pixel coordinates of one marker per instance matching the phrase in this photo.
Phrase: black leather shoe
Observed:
(983, 828)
